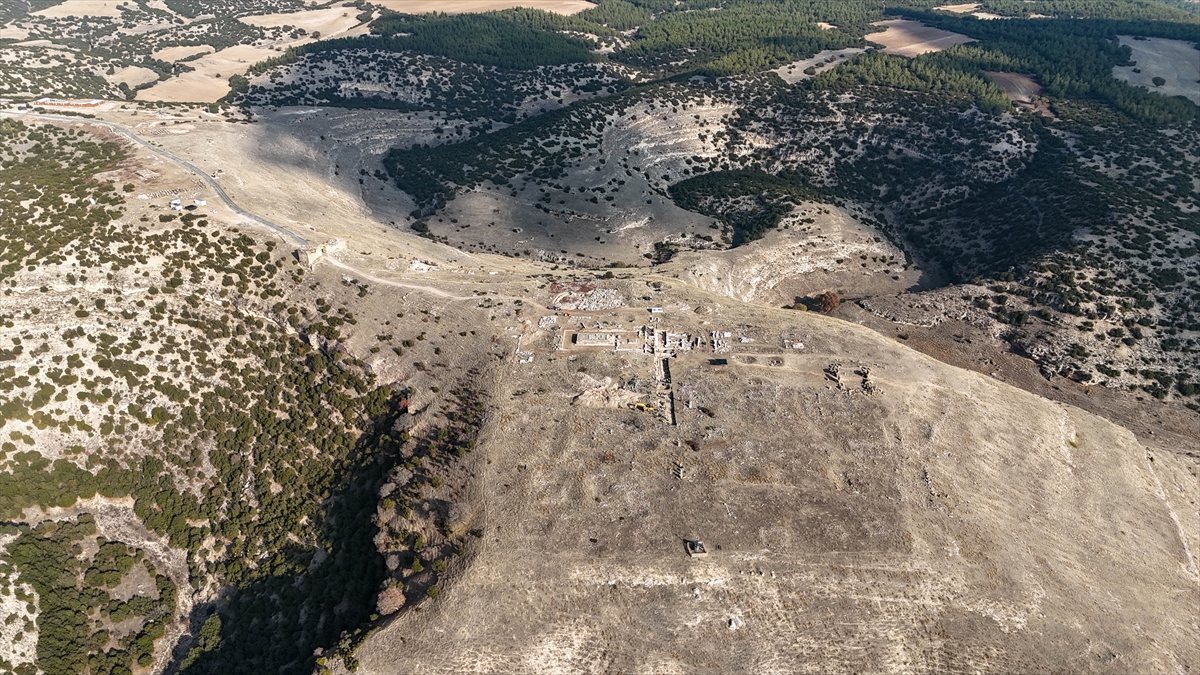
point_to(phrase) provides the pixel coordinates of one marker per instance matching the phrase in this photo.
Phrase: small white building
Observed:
(176, 204)
(200, 202)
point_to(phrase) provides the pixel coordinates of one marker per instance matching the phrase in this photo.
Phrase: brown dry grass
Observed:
(82, 8)
(176, 53)
(912, 38)
(1175, 61)
(1018, 87)
(330, 22)
(965, 8)
(210, 79)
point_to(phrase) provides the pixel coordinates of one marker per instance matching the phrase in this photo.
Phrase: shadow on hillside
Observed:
(276, 622)
(998, 227)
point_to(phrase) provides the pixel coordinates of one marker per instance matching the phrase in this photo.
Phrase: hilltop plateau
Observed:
(621, 337)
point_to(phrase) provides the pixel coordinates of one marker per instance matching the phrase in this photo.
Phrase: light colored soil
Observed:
(835, 252)
(14, 33)
(82, 8)
(172, 54)
(469, 6)
(847, 531)
(330, 22)
(1018, 87)
(280, 168)
(15, 651)
(203, 84)
(1175, 61)
(939, 520)
(794, 72)
(133, 76)
(826, 26)
(912, 38)
(1164, 426)
(965, 8)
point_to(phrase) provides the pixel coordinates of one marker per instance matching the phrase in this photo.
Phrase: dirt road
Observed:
(233, 206)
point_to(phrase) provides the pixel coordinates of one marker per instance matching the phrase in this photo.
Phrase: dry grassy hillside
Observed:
(866, 508)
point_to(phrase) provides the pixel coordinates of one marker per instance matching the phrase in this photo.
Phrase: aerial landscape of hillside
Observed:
(621, 336)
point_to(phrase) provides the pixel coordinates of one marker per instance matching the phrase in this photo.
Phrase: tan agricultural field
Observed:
(133, 76)
(210, 79)
(912, 38)
(1175, 61)
(1018, 87)
(965, 8)
(82, 8)
(329, 22)
(171, 54)
(794, 72)
(469, 6)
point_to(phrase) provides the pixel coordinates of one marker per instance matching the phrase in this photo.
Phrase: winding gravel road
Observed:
(301, 241)
(285, 232)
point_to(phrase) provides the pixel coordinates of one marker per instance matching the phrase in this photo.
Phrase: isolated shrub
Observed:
(828, 301)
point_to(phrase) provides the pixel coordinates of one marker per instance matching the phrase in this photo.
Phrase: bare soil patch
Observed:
(794, 72)
(82, 8)
(329, 22)
(801, 259)
(847, 491)
(912, 38)
(210, 79)
(469, 6)
(133, 76)
(965, 8)
(1175, 61)
(1166, 426)
(171, 54)
(1017, 87)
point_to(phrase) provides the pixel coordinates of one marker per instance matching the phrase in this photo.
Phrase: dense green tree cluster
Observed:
(618, 14)
(1070, 58)
(737, 37)
(77, 613)
(746, 36)
(1090, 9)
(487, 39)
(771, 198)
(942, 72)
